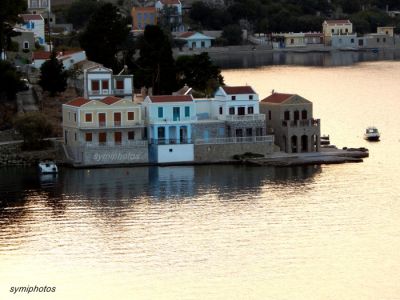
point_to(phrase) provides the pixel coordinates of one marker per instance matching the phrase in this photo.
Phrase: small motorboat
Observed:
(325, 140)
(48, 167)
(372, 134)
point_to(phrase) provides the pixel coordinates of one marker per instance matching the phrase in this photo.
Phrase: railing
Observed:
(110, 92)
(140, 143)
(236, 140)
(115, 124)
(302, 123)
(173, 120)
(171, 141)
(121, 91)
(102, 124)
(255, 117)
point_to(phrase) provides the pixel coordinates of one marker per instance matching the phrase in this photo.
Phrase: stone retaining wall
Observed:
(12, 155)
(225, 152)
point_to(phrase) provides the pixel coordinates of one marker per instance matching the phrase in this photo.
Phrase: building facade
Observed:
(290, 118)
(171, 10)
(336, 27)
(143, 16)
(35, 24)
(100, 82)
(106, 131)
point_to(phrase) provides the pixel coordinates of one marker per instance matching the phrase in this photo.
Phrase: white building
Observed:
(68, 58)
(100, 82)
(169, 127)
(35, 23)
(196, 40)
(175, 13)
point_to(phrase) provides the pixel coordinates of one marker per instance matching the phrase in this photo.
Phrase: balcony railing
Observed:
(302, 123)
(255, 117)
(110, 92)
(236, 140)
(173, 120)
(102, 124)
(171, 141)
(115, 124)
(139, 143)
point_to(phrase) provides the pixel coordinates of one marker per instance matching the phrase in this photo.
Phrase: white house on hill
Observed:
(196, 40)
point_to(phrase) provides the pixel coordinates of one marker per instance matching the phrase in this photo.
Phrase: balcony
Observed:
(134, 143)
(173, 120)
(171, 141)
(106, 93)
(236, 140)
(113, 125)
(233, 118)
(301, 123)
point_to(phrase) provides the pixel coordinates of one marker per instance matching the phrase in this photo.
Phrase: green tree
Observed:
(104, 35)
(9, 10)
(155, 67)
(80, 11)
(10, 82)
(198, 72)
(53, 78)
(232, 34)
(33, 127)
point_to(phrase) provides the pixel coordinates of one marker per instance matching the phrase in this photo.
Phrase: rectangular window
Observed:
(259, 131)
(231, 110)
(187, 111)
(131, 116)
(75, 117)
(119, 84)
(220, 110)
(160, 112)
(75, 136)
(221, 132)
(241, 111)
(249, 131)
(88, 137)
(88, 117)
(176, 113)
(102, 119)
(233, 97)
(102, 138)
(251, 97)
(131, 135)
(384, 40)
(377, 40)
(95, 85)
(104, 84)
(250, 110)
(117, 119)
(269, 115)
(118, 138)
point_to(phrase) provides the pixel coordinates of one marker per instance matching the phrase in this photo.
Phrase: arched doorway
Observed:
(304, 143)
(294, 144)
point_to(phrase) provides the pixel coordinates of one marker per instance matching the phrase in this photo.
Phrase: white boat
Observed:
(372, 134)
(48, 167)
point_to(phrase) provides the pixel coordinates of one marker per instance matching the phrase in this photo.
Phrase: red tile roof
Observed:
(338, 21)
(170, 2)
(110, 100)
(78, 102)
(28, 17)
(232, 90)
(277, 98)
(41, 55)
(187, 34)
(171, 98)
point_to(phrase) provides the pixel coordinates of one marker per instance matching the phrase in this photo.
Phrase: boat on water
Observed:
(372, 134)
(47, 167)
(325, 140)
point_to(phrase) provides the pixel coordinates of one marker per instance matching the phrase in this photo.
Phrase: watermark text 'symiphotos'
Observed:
(32, 289)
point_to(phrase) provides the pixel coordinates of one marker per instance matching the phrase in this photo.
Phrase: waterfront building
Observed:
(105, 131)
(100, 82)
(290, 118)
(345, 41)
(336, 27)
(25, 40)
(143, 16)
(314, 38)
(169, 120)
(288, 40)
(196, 40)
(387, 30)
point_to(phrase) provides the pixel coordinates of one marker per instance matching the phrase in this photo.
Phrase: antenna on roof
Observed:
(273, 91)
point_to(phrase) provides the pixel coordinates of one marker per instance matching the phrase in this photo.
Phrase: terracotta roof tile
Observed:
(277, 98)
(78, 102)
(187, 34)
(110, 100)
(31, 17)
(338, 21)
(232, 90)
(41, 55)
(171, 98)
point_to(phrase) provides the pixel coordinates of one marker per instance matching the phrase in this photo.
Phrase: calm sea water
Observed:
(223, 232)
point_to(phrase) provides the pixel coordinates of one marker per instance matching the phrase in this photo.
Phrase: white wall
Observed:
(179, 153)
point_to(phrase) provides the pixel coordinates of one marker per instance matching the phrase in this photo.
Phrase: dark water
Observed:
(223, 232)
(330, 59)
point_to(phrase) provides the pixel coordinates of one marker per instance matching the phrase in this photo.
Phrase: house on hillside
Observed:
(143, 16)
(290, 118)
(35, 24)
(25, 40)
(171, 10)
(43, 8)
(99, 82)
(196, 40)
(105, 131)
(69, 58)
